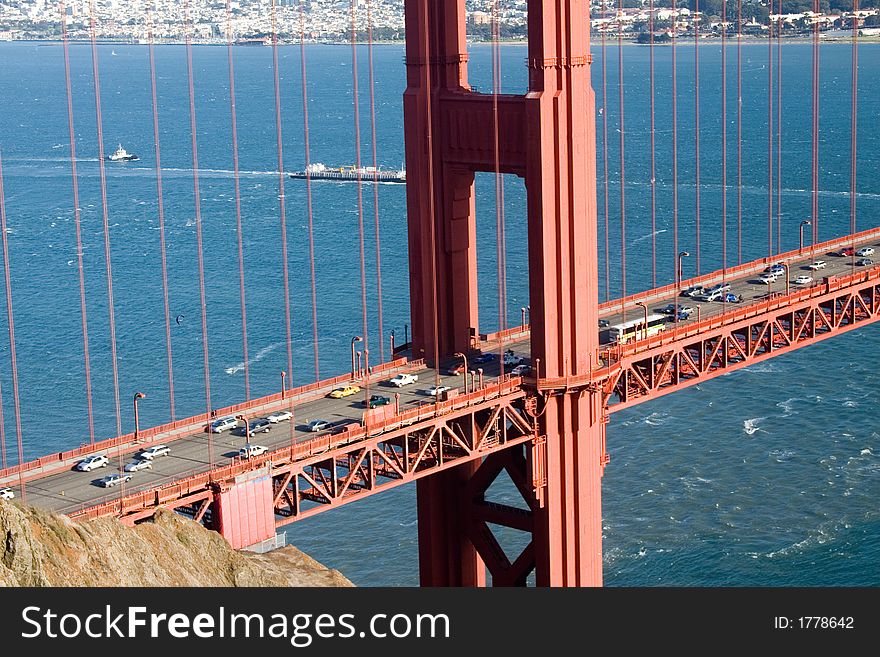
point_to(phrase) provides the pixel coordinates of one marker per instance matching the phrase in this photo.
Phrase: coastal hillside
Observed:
(39, 548)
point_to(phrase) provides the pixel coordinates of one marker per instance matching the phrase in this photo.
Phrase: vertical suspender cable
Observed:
(500, 249)
(739, 133)
(237, 184)
(697, 19)
(622, 163)
(11, 321)
(854, 121)
(724, 139)
(105, 214)
(360, 182)
(779, 131)
(306, 149)
(282, 199)
(815, 199)
(605, 155)
(375, 182)
(770, 137)
(161, 208)
(674, 143)
(198, 211)
(77, 220)
(653, 154)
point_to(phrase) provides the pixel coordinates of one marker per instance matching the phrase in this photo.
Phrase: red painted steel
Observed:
(244, 509)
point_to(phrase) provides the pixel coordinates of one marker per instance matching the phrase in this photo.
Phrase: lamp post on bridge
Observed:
(464, 372)
(787, 278)
(247, 428)
(681, 256)
(358, 370)
(137, 396)
(392, 345)
(805, 222)
(356, 338)
(645, 325)
(283, 388)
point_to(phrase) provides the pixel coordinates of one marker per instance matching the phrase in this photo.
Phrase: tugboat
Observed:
(122, 155)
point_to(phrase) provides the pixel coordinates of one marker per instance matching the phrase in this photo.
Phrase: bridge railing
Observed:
(193, 482)
(189, 425)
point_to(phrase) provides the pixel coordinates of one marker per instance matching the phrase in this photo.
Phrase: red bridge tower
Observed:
(548, 137)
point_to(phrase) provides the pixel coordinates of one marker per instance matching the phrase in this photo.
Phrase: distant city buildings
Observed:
(251, 21)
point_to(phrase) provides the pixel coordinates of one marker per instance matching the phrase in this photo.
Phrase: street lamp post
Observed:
(473, 380)
(356, 338)
(283, 375)
(480, 375)
(392, 345)
(805, 222)
(247, 428)
(464, 372)
(681, 256)
(358, 370)
(645, 325)
(137, 396)
(523, 313)
(787, 278)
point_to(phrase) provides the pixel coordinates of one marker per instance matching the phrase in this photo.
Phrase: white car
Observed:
(279, 416)
(154, 451)
(803, 279)
(819, 264)
(511, 359)
(249, 451)
(113, 480)
(224, 423)
(766, 279)
(403, 380)
(6, 494)
(866, 251)
(521, 370)
(437, 390)
(139, 464)
(91, 462)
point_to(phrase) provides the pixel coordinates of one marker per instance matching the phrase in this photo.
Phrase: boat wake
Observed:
(260, 355)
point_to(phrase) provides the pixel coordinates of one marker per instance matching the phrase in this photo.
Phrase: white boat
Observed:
(122, 155)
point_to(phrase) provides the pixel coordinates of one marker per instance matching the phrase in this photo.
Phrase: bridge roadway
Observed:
(68, 490)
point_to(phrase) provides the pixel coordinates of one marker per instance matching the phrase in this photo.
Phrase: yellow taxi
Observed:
(346, 391)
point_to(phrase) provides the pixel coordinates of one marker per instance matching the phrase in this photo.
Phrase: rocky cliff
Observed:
(39, 548)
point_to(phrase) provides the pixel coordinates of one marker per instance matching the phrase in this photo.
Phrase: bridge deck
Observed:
(56, 486)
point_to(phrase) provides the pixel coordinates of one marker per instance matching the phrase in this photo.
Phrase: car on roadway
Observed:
(817, 265)
(846, 251)
(864, 262)
(456, 369)
(768, 278)
(224, 423)
(259, 425)
(522, 370)
(692, 291)
(604, 323)
(6, 494)
(114, 480)
(375, 401)
(865, 252)
(803, 279)
(403, 379)
(711, 295)
(279, 416)
(487, 357)
(670, 309)
(775, 269)
(718, 287)
(729, 297)
(511, 359)
(89, 463)
(154, 451)
(139, 464)
(250, 451)
(437, 390)
(344, 391)
(318, 425)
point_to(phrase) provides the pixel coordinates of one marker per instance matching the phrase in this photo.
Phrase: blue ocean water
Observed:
(768, 476)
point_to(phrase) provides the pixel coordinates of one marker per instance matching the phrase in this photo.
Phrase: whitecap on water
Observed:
(782, 455)
(866, 452)
(750, 426)
(656, 419)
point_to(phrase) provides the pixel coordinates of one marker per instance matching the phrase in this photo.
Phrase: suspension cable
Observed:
(697, 133)
(854, 121)
(282, 199)
(105, 213)
(77, 220)
(237, 183)
(500, 246)
(739, 132)
(622, 162)
(161, 208)
(198, 211)
(653, 153)
(770, 137)
(306, 149)
(779, 131)
(724, 140)
(11, 321)
(605, 155)
(675, 143)
(375, 182)
(815, 194)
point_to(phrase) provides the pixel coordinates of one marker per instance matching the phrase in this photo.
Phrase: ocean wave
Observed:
(750, 426)
(260, 355)
(781, 455)
(656, 419)
(787, 406)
